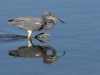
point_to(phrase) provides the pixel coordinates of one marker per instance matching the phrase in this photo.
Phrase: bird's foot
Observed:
(45, 35)
(42, 34)
(39, 37)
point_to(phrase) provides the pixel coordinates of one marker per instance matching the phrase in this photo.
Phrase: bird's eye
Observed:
(48, 17)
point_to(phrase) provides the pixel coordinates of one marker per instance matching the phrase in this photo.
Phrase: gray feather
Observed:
(28, 23)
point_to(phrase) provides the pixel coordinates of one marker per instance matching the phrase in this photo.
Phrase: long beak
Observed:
(53, 17)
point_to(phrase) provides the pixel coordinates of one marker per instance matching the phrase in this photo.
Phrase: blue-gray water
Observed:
(79, 37)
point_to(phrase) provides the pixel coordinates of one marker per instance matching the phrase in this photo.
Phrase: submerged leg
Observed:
(29, 33)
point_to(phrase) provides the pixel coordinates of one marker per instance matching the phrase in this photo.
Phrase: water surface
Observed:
(79, 37)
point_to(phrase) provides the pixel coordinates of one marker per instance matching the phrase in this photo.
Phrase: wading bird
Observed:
(35, 24)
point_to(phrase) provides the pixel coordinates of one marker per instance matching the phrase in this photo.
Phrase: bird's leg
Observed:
(29, 33)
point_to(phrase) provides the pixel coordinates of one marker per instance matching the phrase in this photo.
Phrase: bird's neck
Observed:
(50, 27)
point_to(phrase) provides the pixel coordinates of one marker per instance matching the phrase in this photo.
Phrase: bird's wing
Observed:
(28, 23)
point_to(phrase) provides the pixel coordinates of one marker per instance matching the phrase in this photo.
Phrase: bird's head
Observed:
(48, 15)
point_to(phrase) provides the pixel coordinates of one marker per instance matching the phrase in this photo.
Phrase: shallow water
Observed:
(78, 39)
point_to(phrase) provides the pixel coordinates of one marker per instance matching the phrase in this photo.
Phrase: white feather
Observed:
(38, 23)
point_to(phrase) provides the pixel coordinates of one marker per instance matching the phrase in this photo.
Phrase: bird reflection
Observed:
(36, 51)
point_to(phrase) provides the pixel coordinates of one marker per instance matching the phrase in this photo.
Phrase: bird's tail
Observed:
(11, 21)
